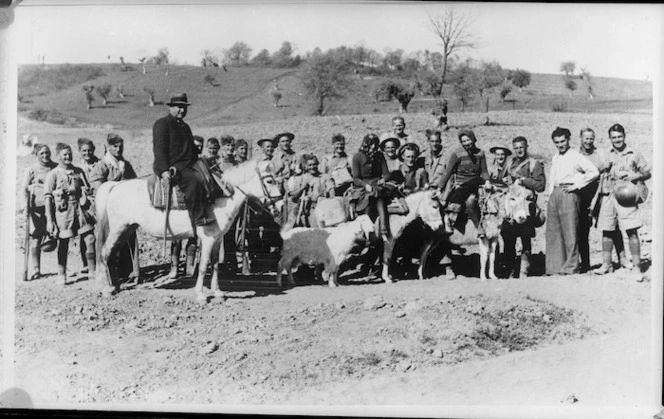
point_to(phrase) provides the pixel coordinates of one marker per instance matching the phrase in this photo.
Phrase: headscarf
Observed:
(367, 142)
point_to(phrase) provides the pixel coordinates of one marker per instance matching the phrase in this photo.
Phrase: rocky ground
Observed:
(578, 339)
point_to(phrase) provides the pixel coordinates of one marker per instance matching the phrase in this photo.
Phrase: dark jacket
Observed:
(173, 145)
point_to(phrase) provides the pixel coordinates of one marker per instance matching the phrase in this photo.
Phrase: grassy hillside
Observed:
(243, 95)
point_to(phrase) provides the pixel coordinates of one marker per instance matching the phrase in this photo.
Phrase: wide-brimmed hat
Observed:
(499, 147)
(179, 99)
(387, 140)
(262, 140)
(408, 146)
(284, 134)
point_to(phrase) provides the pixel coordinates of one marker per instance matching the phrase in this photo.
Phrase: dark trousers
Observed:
(195, 197)
(562, 232)
(461, 192)
(585, 221)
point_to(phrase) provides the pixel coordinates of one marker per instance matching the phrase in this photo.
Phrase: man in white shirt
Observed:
(570, 172)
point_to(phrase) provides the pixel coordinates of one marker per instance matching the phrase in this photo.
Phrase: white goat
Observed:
(327, 246)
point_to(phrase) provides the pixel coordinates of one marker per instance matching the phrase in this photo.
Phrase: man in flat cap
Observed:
(175, 155)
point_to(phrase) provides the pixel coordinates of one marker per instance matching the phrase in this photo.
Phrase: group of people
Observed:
(584, 184)
(59, 198)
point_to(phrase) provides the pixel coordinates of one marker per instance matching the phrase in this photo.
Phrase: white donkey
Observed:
(122, 207)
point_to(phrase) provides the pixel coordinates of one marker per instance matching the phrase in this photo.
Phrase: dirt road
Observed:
(580, 340)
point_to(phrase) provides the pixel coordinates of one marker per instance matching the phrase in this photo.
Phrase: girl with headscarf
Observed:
(370, 173)
(66, 193)
(33, 188)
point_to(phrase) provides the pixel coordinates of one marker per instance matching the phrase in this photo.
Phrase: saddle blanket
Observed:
(158, 190)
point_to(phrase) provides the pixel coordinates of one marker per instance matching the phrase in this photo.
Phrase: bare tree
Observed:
(586, 77)
(124, 66)
(453, 30)
(208, 59)
(120, 90)
(150, 93)
(142, 61)
(276, 97)
(89, 97)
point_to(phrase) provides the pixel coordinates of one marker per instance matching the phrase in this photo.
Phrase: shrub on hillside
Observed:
(36, 79)
(52, 116)
(559, 106)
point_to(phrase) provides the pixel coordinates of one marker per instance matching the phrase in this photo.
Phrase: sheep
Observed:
(327, 246)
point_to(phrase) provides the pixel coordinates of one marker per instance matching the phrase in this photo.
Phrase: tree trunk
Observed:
(144, 71)
(151, 100)
(486, 108)
(89, 105)
(104, 102)
(320, 106)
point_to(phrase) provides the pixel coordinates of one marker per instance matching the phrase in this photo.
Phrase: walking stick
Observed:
(169, 194)
(27, 236)
(245, 256)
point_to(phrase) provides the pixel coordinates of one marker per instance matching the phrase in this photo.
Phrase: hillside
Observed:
(242, 95)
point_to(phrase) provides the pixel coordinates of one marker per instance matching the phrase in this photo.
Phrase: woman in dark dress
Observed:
(370, 195)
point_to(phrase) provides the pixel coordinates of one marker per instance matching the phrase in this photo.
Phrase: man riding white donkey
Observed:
(124, 206)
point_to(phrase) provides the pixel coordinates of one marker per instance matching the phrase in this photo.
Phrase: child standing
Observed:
(89, 164)
(68, 206)
(304, 191)
(33, 187)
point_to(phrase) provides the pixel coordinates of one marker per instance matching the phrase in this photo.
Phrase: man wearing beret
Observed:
(175, 155)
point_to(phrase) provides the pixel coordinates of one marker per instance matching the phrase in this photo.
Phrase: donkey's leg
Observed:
(206, 250)
(427, 247)
(484, 255)
(492, 257)
(108, 284)
(176, 247)
(217, 257)
(388, 248)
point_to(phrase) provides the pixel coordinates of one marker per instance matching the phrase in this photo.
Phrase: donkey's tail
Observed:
(102, 228)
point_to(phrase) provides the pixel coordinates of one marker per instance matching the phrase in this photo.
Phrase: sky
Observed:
(610, 40)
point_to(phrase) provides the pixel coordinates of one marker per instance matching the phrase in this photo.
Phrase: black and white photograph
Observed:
(394, 209)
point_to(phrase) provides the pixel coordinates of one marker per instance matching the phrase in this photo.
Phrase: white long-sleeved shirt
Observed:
(571, 167)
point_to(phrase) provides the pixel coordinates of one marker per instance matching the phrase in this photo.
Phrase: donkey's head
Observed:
(516, 203)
